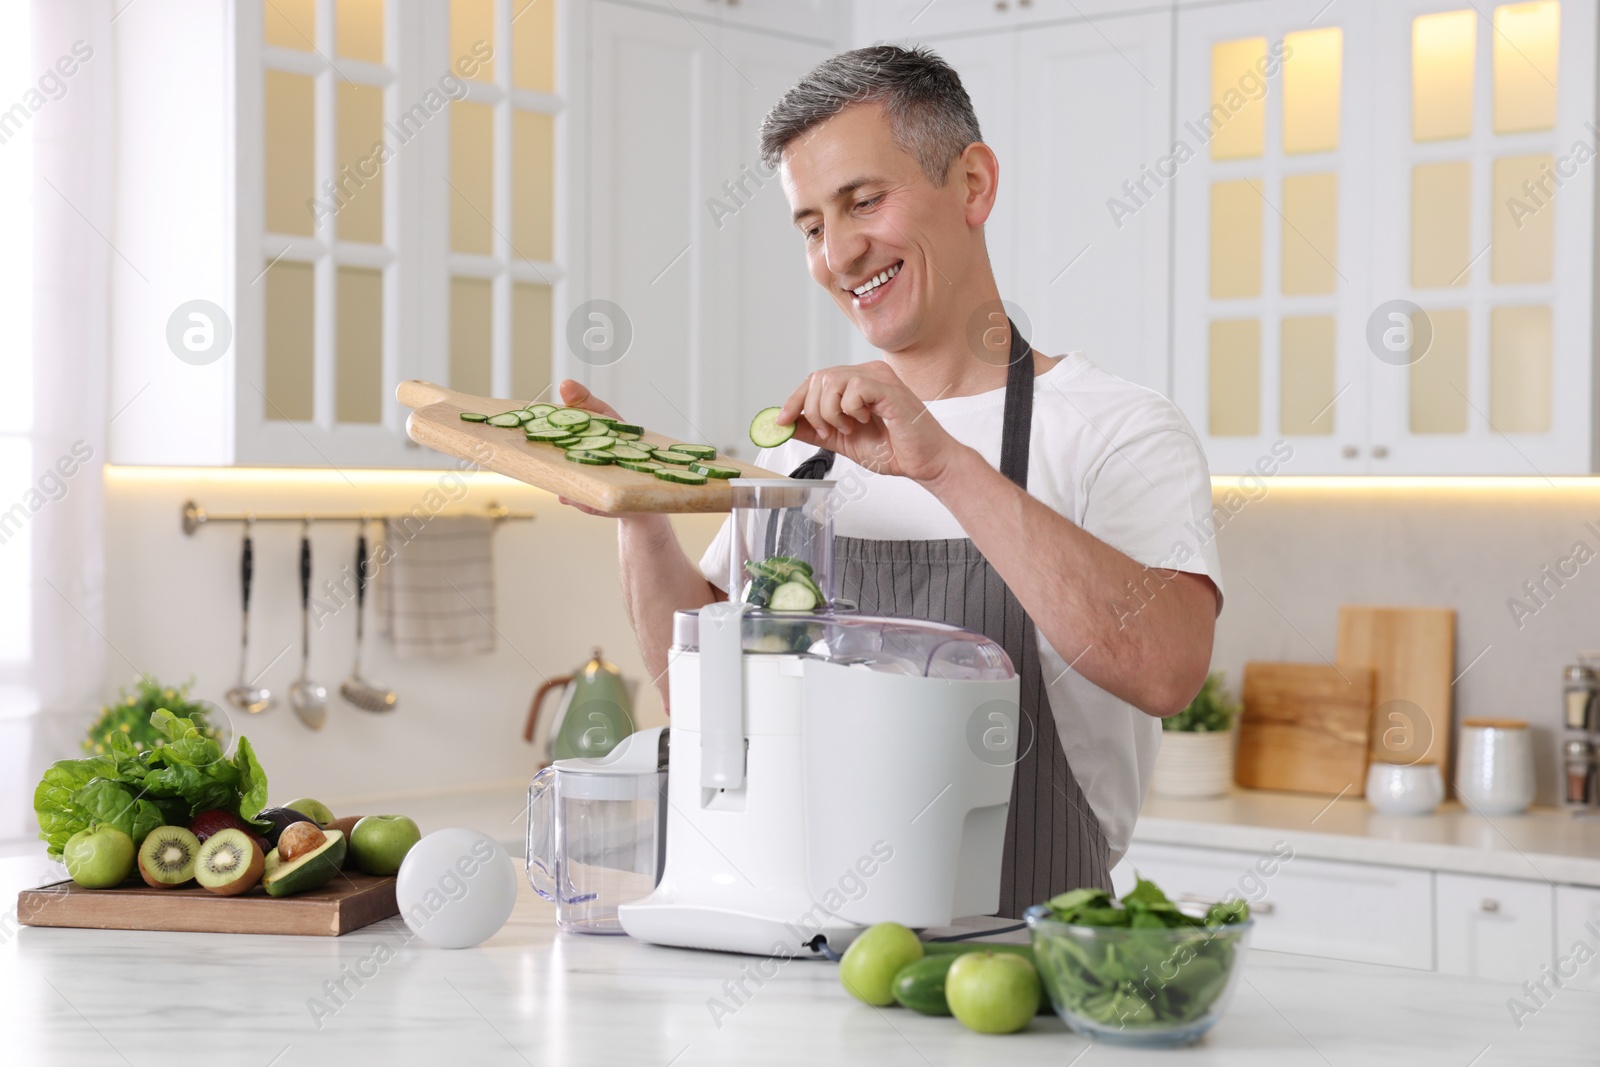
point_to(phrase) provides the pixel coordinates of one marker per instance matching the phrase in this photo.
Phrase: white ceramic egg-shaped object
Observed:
(456, 888)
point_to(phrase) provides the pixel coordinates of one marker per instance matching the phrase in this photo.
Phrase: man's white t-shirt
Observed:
(1117, 459)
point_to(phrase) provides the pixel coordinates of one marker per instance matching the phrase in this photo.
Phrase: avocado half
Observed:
(311, 871)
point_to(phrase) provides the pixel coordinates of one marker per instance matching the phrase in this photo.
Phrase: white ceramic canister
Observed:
(1494, 766)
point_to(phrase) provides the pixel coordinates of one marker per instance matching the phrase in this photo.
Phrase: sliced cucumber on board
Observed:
(588, 458)
(667, 474)
(505, 419)
(473, 416)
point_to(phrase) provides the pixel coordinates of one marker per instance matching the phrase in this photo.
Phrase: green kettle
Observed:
(596, 711)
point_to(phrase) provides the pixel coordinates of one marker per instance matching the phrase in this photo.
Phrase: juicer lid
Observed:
(916, 647)
(641, 752)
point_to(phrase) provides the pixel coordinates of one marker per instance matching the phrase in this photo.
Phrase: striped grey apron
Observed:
(1053, 839)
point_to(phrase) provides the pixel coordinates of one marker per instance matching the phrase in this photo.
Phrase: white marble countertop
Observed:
(1544, 844)
(533, 996)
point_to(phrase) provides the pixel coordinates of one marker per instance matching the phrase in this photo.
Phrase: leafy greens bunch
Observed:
(137, 791)
(1156, 966)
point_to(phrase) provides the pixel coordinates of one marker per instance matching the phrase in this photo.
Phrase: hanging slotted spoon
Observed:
(356, 689)
(244, 696)
(309, 700)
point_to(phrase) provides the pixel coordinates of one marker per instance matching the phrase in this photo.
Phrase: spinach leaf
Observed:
(136, 791)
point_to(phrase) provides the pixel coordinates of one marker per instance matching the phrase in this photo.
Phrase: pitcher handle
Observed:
(541, 833)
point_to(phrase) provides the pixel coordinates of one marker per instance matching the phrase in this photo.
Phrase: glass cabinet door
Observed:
(1270, 234)
(1483, 267)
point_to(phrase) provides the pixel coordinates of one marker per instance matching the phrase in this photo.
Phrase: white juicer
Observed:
(826, 770)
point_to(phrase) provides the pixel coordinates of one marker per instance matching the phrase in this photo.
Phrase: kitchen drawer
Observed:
(1578, 922)
(1342, 911)
(1502, 928)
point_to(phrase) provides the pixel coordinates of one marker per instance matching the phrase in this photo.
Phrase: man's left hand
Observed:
(865, 413)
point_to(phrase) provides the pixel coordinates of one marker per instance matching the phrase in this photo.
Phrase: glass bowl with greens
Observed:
(1143, 971)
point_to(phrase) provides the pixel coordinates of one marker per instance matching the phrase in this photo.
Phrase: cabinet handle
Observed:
(1263, 908)
(1489, 904)
(1350, 451)
(1380, 451)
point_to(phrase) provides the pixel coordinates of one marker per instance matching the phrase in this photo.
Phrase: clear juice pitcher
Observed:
(597, 831)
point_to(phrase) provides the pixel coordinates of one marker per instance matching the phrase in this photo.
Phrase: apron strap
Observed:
(1015, 429)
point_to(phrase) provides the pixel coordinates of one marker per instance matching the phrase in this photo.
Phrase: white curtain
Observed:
(55, 106)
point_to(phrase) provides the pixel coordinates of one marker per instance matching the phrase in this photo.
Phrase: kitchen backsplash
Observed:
(1517, 563)
(1514, 562)
(172, 604)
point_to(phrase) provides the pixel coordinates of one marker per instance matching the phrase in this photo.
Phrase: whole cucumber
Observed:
(920, 985)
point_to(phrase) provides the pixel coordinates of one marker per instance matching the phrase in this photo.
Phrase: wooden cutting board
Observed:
(1304, 728)
(435, 421)
(1413, 652)
(347, 903)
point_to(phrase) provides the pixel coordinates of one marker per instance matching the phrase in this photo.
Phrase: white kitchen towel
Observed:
(435, 585)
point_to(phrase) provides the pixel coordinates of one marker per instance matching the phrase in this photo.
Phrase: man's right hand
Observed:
(575, 394)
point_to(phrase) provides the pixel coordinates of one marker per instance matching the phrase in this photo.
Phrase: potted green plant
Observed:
(131, 712)
(1196, 756)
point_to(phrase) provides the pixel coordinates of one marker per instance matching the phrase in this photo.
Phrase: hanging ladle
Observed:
(309, 700)
(244, 696)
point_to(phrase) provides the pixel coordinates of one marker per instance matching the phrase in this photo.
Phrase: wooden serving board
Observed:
(347, 903)
(435, 421)
(1412, 650)
(1304, 728)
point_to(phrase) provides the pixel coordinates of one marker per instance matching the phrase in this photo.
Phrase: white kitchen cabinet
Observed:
(687, 233)
(314, 178)
(817, 20)
(1094, 105)
(896, 20)
(1345, 911)
(1501, 928)
(1577, 935)
(1299, 224)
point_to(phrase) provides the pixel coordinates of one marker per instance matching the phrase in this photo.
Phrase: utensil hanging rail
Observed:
(195, 516)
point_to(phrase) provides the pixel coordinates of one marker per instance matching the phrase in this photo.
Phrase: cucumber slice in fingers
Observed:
(765, 431)
(793, 596)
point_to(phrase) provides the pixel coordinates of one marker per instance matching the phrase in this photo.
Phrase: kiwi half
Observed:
(166, 859)
(229, 863)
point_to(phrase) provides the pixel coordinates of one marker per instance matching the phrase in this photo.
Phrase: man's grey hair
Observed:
(930, 115)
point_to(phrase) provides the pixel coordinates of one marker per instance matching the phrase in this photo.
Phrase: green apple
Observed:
(99, 857)
(315, 810)
(992, 992)
(380, 842)
(870, 963)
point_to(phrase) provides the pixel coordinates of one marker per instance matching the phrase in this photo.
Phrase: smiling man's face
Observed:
(894, 250)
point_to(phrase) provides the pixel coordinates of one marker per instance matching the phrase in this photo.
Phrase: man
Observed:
(1035, 498)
